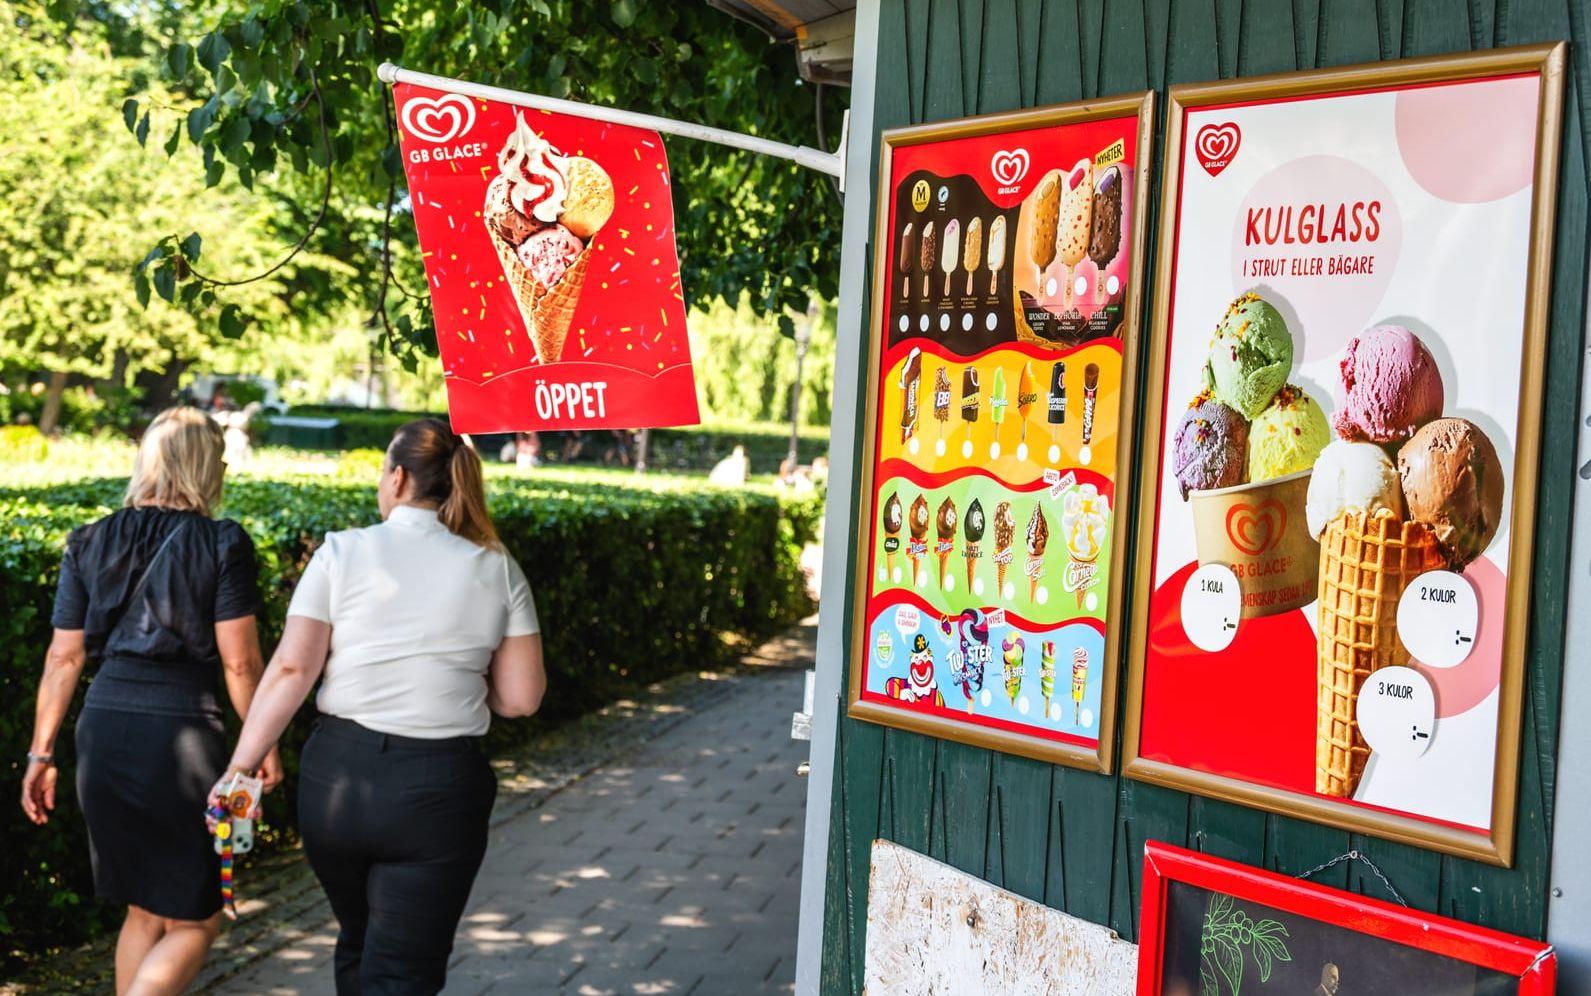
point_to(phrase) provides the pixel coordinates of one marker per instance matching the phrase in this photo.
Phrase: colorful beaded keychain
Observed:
(223, 831)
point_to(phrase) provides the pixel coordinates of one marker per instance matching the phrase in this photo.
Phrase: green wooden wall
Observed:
(1075, 840)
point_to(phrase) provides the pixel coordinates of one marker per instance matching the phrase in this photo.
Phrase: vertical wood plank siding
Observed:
(1074, 840)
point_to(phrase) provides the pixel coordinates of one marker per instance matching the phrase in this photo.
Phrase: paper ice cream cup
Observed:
(1260, 532)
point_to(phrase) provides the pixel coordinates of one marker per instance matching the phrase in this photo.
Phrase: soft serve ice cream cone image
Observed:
(1085, 517)
(1381, 525)
(1242, 455)
(542, 210)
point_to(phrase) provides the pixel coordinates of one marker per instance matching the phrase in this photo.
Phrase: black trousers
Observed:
(395, 829)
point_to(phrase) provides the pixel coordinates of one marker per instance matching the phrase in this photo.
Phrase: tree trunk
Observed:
(643, 440)
(50, 417)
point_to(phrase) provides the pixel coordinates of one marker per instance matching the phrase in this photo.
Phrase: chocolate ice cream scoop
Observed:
(919, 519)
(972, 525)
(1004, 526)
(945, 521)
(1038, 533)
(507, 223)
(1453, 482)
(893, 514)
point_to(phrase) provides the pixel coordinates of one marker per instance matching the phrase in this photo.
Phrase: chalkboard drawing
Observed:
(1330, 979)
(1227, 932)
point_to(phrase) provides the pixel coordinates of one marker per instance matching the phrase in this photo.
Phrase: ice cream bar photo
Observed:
(972, 252)
(926, 255)
(1105, 239)
(1079, 682)
(903, 260)
(996, 252)
(1012, 649)
(997, 399)
(945, 527)
(1076, 221)
(972, 525)
(1090, 396)
(951, 253)
(942, 394)
(969, 394)
(1046, 213)
(1047, 669)
(1027, 394)
(1057, 412)
(910, 378)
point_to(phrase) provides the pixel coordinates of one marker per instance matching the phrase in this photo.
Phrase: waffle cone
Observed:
(547, 311)
(944, 568)
(972, 566)
(999, 576)
(1366, 562)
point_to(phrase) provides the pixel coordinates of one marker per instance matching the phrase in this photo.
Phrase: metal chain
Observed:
(1355, 855)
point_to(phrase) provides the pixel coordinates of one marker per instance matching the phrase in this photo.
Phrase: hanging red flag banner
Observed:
(549, 248)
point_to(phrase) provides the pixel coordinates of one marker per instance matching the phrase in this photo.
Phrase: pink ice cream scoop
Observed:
(549, 253)
(1391, 386)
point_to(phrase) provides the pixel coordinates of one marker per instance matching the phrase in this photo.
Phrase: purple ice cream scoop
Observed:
(1390, 385)
(1211, 447)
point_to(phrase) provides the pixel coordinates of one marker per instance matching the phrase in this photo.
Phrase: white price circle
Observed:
(966, 322)
(1211, 607)
(1112, 285)
(966, 449)
(990, 321)
(1397, 712)
(922, 324)
(994, 451)
(1438, 615)
(1080, 286)
(1049, 287)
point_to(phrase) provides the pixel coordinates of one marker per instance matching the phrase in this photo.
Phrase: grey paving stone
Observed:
(673, 869)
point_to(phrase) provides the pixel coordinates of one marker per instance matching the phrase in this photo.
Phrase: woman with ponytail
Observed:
(418, 629)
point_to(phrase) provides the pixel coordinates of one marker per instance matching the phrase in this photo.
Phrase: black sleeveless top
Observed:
(155, 645)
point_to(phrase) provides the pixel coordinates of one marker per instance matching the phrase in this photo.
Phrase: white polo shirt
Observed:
(416, 614)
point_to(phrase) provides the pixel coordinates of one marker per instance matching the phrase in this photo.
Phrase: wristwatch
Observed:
(41, 758)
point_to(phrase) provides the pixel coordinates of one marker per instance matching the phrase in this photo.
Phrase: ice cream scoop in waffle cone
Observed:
(1366, 562)
(547, 310)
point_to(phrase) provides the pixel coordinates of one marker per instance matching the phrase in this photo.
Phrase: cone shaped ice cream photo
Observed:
(1004, 533)
(1038, 537)
(894, 518)
(918, 547)
(545, 200)
(945, 529)
(1351, 477)
(972, 527)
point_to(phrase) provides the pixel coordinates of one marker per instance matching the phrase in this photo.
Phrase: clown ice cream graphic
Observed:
(542, 211)
(919, 686)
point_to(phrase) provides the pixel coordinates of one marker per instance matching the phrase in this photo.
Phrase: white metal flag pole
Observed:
(831, 163)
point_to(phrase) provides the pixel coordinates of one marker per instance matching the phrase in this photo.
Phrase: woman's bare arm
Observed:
(518, 678)
(299, 659)
(238, 641)
(63, 668)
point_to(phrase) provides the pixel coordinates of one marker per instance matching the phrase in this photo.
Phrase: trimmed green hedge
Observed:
(693, 448)
(632, 584)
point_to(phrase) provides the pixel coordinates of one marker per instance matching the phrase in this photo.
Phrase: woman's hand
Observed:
(38, 791)
(270, 772)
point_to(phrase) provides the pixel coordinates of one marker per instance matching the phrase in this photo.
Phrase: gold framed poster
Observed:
(1343, 418)
(997, 447)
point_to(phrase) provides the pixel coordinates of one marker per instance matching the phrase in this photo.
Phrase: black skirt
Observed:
(142, 782)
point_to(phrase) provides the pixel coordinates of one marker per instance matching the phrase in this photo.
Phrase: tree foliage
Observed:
(285, 95)
(81, 202)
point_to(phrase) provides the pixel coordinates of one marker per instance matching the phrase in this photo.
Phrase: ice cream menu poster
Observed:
(1004, 327)
(1348, 383)
(549, 249)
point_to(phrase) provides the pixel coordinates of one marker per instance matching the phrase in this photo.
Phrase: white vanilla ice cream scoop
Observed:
(1351, 476)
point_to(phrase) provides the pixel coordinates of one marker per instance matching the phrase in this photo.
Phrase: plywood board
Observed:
(934, 929)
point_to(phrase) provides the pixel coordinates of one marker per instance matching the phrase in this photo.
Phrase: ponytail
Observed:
(464, 510)
(447, 471)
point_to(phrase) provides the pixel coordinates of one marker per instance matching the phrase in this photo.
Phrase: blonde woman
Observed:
(161, 597)
(418, 629)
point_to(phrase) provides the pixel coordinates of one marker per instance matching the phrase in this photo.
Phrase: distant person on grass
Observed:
(161, 597)
(418, 629)
(732, 469)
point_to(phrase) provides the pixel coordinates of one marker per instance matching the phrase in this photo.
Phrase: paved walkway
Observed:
(673, 867)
